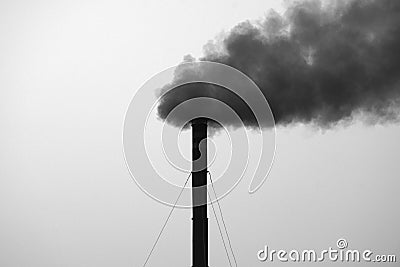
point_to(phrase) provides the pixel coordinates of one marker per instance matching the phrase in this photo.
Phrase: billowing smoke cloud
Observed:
(319, 63)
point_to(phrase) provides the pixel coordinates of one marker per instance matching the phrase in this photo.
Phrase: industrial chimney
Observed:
(199, 193)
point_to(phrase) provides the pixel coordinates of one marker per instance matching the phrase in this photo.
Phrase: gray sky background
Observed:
(68, 70)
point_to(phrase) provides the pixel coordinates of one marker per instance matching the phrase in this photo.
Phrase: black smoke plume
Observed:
(319, 62)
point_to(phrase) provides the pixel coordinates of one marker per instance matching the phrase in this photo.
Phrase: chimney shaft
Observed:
(199, 195)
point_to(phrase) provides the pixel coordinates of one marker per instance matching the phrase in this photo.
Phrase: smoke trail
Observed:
(319, 63)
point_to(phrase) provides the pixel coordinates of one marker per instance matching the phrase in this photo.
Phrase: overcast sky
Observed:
(68, 70)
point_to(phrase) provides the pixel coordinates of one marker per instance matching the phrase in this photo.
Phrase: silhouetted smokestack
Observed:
(199, 195)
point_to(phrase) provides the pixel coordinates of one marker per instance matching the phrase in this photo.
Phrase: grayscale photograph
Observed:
(149, 133)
